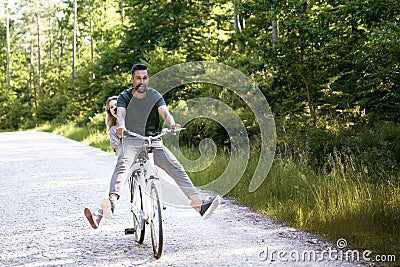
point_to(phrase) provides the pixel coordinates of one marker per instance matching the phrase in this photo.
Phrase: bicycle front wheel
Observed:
(137, 211)
(156, 223)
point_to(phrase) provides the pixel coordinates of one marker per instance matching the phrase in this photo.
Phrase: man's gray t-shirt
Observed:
(142, 115)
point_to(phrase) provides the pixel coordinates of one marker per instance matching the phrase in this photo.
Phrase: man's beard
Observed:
(141, 88)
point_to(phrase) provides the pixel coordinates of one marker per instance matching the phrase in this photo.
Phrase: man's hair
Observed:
(139, 66)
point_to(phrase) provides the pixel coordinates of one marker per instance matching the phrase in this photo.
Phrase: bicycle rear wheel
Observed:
(137, 211)
(156, 223)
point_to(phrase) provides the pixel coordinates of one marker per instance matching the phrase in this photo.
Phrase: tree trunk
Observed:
(74, 44)
(122, 11)
(237, 24)
(51, 41)
(28, 89)
(60, 53)
(8, 49)
(311, 101)
(275, 29)
(31, 70)
(309, 91)
(92, 48)
(38, 53)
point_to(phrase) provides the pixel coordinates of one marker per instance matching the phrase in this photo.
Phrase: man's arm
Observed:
(121, 113)
(167, 117)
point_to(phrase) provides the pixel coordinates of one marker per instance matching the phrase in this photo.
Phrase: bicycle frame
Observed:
(145, 200)
(144, 173)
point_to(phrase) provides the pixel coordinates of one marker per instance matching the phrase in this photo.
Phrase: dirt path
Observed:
(47, 180)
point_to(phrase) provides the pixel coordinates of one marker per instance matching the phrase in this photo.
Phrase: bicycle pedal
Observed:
(129, 231)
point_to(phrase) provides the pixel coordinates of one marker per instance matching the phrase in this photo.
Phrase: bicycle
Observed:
(144, 198)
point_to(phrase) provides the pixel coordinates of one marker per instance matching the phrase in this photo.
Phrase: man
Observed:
(138, 110)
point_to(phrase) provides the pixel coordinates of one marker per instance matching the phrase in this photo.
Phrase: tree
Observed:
(328, 58)
(333, 62)
(8, 48)
(74, 42)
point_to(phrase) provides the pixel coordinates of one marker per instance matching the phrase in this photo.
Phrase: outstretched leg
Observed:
(93, 218)
(168, 162)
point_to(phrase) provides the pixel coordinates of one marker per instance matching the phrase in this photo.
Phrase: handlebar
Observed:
(159, 135)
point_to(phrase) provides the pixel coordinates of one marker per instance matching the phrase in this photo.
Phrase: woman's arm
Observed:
(121, 121)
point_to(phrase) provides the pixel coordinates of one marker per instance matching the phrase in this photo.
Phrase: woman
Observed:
(112, 123)
(115, 143)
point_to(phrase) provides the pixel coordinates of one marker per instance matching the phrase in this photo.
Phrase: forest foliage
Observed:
(330, 72)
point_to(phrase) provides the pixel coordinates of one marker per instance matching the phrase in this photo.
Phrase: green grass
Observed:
(365, 214)
(343, 202)
(90, 136)
(340, 204)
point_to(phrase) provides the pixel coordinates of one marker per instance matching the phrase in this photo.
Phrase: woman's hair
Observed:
(110, 119)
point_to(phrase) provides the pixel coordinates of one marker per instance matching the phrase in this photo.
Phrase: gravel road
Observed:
(47, 180)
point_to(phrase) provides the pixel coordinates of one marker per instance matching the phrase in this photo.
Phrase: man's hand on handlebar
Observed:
(175, 128)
